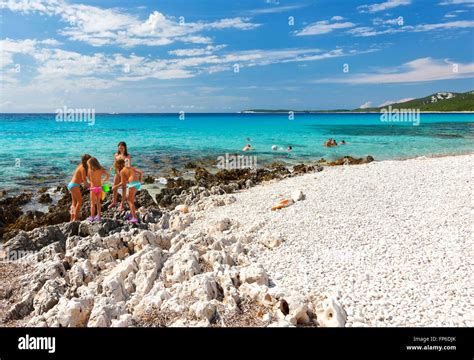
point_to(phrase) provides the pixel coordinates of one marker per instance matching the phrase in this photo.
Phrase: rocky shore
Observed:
(113, 273)
(377, 244)
(389, 246)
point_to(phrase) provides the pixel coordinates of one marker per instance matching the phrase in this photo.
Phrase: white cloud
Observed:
(395, 21)
(419, 70)
(323, 27)
(383, 6)
(389, 102)
(276, 9)
(366, 31)
(366, 105)
(208, 50)
(337, 18)
(9, 47)
(456, 2)
(453, 14)
(61, 68)
(448, 25)
(97, 26)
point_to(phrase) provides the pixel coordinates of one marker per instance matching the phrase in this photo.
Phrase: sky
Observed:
(227, 56)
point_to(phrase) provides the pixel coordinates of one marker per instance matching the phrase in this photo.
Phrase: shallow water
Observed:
(36, 150)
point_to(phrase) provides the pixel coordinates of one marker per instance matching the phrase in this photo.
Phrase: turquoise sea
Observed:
(36, 150)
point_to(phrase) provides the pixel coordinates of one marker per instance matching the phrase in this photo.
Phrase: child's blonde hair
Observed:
(94, 164)
(119, 165)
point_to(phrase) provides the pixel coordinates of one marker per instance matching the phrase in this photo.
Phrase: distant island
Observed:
(438, 102)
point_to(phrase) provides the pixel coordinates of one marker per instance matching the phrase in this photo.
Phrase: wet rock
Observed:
(45, 199)
(149, 180)
(143, 198)
(349, 160)
(302, 169)
(203, 177)
(190, 165)
(10, 211)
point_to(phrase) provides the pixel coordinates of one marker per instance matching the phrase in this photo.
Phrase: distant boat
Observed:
(113, 113)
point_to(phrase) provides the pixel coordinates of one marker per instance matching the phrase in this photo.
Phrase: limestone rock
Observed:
(330, 313)
(254, 273)
(75, 312)
(271, 241)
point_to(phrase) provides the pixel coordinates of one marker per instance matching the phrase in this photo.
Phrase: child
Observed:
(79, 177)
(96, 172)
(122, 153)
(132, 177)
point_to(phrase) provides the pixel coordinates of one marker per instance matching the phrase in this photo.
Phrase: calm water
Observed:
(35, 149)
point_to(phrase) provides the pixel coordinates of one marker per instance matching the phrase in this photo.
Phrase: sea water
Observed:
(37, 149)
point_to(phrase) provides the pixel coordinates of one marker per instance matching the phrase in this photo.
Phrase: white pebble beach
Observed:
(391, 239)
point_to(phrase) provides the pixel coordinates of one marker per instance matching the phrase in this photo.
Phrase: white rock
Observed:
(75, 312)
(254, 273)
(271, 241)
(182, 266)
(104, 311)
(297, 195)
(183, 208)
(298, 309)
(330, 313)
(203, 310)
(49, 295)
(220, 226)
(124, 321)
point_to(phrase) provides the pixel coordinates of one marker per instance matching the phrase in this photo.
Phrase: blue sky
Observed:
(226, 56)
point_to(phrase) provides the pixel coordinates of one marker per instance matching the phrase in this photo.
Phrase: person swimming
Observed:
(79, 177)
(342, 142)
(131, 178)
(289, 148)
(247, 147)
(330, 143)
(122, 153)
(96, 173)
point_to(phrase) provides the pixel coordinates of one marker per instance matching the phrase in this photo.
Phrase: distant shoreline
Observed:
(344, 112)
(245, 112)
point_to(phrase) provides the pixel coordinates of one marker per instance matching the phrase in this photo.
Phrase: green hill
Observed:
(446, 101)
(441, 101)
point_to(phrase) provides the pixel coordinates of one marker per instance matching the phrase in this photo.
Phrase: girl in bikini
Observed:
(121, 154)
(131, 178)
(96, 172)
(79, 177)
